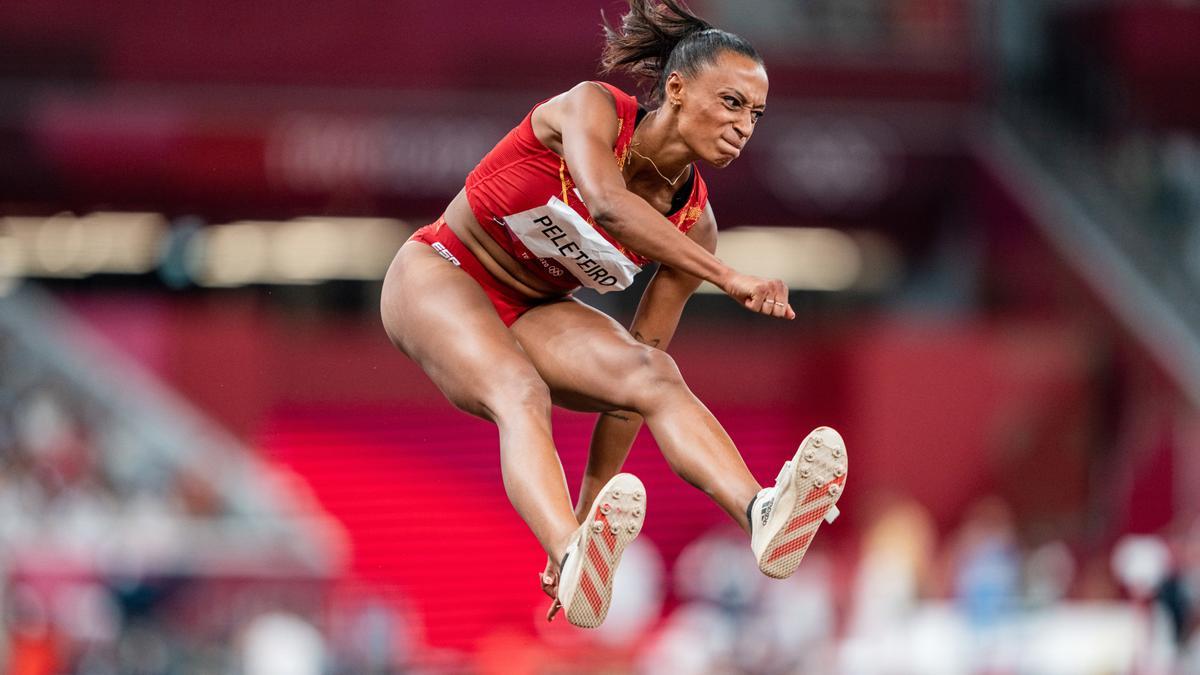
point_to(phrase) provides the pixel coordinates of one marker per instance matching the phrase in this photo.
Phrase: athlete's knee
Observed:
(655, 376)
(516, 394)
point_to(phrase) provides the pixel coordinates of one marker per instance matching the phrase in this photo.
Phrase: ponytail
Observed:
(658, 37)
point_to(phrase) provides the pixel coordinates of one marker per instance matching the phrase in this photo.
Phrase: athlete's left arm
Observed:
(662, 304)
(654, 324)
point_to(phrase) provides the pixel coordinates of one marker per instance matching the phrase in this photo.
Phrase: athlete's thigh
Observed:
(441, 318)
(588, 360)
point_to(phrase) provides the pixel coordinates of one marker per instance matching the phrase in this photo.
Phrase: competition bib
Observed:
(557, 232)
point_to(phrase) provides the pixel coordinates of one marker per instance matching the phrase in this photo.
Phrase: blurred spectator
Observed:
(985, 567)
(1142, 563)
(985, 564)
(282, 644)
(1049, 573)
(110, 545)
(637, 595)
(32, 643)
(733, 619)
(896, 559)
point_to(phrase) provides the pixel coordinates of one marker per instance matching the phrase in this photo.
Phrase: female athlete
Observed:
(586, 190)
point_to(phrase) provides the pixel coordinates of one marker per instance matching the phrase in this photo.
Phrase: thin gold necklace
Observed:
(656, 169)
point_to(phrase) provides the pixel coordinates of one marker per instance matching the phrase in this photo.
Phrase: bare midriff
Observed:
(494, 259)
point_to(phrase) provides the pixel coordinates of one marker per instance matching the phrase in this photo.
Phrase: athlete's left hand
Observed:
(549, 581)
(760, 295)
(549, 578)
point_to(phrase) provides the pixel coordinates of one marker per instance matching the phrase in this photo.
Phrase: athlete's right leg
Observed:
(440, 317)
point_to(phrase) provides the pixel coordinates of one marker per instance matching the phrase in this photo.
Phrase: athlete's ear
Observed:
(673, 90)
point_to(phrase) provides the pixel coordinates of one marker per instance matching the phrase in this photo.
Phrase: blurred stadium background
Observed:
(212, 461)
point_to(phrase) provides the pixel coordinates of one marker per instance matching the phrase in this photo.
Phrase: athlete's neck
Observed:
(661, 153)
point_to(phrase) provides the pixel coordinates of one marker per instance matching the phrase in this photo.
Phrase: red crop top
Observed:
(523, 195)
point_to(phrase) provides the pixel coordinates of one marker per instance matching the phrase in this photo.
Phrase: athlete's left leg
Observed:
(592, 363)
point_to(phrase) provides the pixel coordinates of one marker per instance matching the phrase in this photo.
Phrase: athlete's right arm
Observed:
(583, 124)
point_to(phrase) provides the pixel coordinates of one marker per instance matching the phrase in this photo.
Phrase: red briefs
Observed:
(509, 304)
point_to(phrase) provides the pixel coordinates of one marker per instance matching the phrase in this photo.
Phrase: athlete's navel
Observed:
(462, 222)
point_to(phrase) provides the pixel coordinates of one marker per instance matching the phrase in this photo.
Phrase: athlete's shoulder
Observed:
(594, 92)
(619, 95)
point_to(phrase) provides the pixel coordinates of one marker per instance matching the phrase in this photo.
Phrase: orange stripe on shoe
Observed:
(807, 518)
(589, 591)
(791, 547)
(597, 560)
(609, 537)
(813, 495)
(816, 492)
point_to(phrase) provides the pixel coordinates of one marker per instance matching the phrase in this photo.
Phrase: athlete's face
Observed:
(719, 106)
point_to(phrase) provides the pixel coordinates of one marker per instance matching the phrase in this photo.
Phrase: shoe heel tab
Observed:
(832, 514)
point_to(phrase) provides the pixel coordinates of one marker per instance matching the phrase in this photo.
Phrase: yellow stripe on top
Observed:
(562, 176)
(621, 153)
